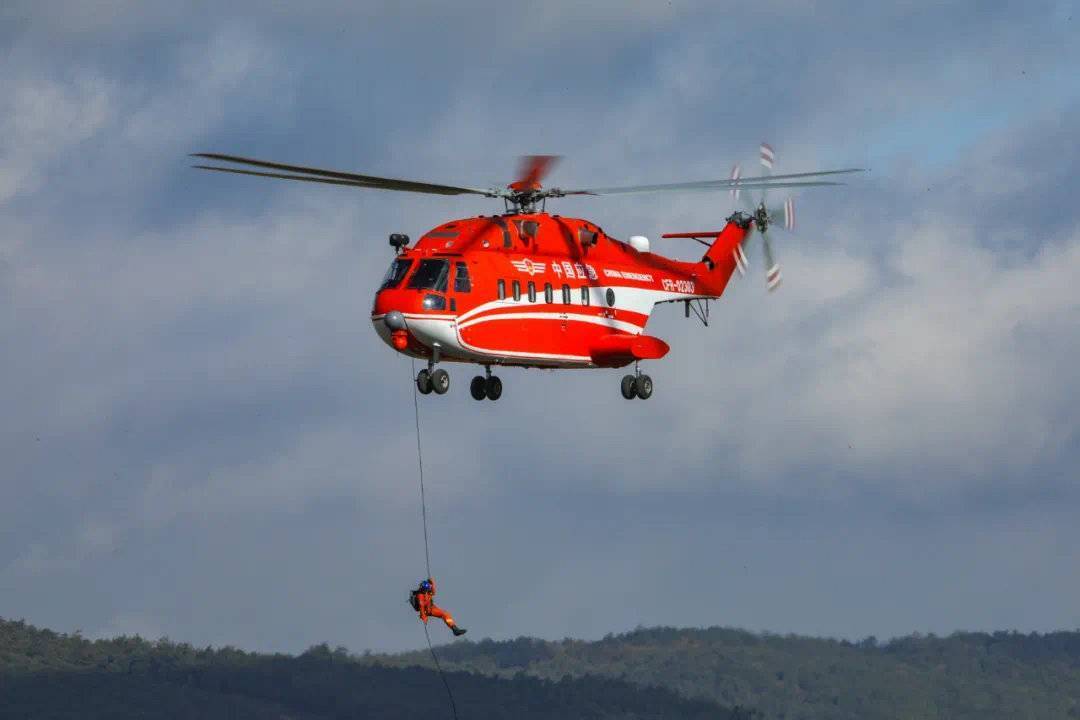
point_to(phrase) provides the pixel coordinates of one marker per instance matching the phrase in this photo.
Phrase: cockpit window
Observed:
(461, 278)
(398, 269)
(431, 275)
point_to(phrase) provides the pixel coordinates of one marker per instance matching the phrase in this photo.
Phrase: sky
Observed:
(202, 438)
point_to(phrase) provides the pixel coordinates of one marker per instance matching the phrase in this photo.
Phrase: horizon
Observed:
(870, 641)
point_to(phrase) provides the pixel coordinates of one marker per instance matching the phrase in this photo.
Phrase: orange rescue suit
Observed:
(428, 608)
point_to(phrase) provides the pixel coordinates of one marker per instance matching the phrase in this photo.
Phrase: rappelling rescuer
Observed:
(421, 601)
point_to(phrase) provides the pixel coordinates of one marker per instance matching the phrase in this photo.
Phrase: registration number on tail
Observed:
(682, 286)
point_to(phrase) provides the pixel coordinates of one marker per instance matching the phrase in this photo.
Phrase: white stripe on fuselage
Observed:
(622, 325)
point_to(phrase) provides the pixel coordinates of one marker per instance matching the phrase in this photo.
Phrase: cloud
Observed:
(945, 373)
(198, 414)
(93, 537)
(44, 119)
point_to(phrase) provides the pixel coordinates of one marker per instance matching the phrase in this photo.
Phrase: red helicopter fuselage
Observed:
(538, 290)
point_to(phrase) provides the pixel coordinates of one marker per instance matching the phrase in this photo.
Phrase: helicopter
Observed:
(524, 288)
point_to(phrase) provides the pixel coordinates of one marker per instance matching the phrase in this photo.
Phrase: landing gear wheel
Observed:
(478, 387)
(493, 388)
(423, 382)
(629, 387)
(643, 386)
(440, 381)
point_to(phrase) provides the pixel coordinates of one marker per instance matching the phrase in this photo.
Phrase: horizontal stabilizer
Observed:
(703, 234)
(620, 349)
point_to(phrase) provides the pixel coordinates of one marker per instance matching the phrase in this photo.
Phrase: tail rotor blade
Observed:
(783, 215)
(773, 278)
(768, 157)
(741, 261)
(772, 269)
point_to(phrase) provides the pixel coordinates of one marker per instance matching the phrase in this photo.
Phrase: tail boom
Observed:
(724, 256)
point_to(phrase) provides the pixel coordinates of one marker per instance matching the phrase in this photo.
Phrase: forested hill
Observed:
(47, 675)
(966, 675)
(700, 673)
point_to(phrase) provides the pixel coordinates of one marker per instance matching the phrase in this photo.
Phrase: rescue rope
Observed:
(453, 705)
(420, 462)
(427, 551)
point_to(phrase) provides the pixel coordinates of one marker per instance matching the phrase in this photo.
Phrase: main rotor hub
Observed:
(524, 200)
(522, 186)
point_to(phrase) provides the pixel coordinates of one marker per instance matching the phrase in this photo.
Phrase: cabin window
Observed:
(517, 290)
(431, 275)
(566, 294)
(584, 295)
(397, 272)
(610, 297)
(502, 289)
(549, 294)
(461, 278)
(532, 291)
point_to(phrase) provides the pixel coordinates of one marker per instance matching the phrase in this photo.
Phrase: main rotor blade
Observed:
(792, 176)
(342, 178)
(283, 176)
(719, 184)
(700, 186)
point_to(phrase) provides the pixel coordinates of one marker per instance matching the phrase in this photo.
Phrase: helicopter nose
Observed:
(394, 320)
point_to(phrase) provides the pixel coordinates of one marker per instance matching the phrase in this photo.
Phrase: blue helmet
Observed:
(425, 585)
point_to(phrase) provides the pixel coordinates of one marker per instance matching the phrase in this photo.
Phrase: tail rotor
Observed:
(757, 211)
(764, 217)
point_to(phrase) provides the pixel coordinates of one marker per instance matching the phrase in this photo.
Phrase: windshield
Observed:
(431, 275)
(395, 274)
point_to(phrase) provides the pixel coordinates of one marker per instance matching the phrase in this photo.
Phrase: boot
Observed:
(458, 631)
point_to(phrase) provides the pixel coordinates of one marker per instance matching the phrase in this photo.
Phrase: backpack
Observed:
(414, 600)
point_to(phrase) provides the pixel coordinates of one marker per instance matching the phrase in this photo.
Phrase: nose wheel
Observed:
(430, 380)
(489, 387)
(423, 382)
(638, 385)
(437, 381)
(440, 381)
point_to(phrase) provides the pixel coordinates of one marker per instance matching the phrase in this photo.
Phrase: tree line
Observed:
(49, 675)
(964, 675)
